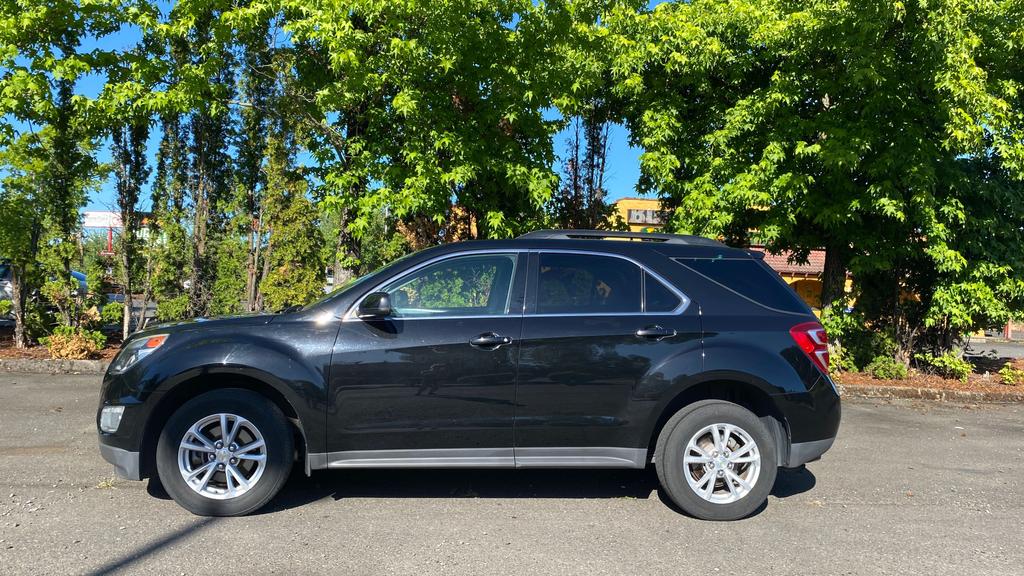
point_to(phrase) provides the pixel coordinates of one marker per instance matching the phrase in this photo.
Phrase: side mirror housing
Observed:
(375, 306)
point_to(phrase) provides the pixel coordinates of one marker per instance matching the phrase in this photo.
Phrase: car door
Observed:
(433, 384)
(602, 339)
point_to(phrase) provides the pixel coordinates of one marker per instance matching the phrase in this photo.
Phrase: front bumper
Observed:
(126, 462)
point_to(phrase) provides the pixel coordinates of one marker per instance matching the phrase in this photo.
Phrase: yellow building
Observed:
(641, 214)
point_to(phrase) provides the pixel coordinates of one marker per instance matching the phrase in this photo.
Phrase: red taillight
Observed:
(812, 339)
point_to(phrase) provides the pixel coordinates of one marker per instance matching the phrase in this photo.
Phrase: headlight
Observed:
(136, 350)
(110, 418)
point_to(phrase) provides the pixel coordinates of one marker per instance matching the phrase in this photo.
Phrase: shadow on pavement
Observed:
(396, 483)
(140, 554)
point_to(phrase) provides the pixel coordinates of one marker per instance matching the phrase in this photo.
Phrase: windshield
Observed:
(353, 281)
(4, 269)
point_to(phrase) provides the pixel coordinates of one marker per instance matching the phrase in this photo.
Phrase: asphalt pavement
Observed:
(908, 488)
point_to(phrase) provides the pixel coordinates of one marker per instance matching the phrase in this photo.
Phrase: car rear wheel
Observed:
(716, 460)
(225, 453)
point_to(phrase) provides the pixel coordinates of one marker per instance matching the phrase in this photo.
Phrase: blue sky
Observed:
(623, 167)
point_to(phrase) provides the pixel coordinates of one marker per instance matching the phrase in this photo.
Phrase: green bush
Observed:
(948, 365)
(886, 368)
(67, 342)
(6, 308)
(113, 313)
(1011, 376)
(852, 342)
(173, 308)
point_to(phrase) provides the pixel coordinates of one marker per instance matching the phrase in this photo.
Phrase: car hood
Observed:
(210, 323)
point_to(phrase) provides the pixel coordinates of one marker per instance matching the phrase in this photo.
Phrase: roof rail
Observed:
(657, 237)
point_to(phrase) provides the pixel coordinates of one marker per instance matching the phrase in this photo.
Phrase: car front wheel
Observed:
(716, 460)
(225, 453)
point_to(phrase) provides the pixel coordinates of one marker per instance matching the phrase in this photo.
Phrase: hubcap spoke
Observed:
(195, 473)
(249, 447)
(239, 477)
(198, 435)
(196, 447)
(733, 477)
(743, 450)
(716, 438)
(691, 459)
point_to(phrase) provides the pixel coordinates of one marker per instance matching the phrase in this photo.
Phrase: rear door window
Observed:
(587, 284)
(749, 278)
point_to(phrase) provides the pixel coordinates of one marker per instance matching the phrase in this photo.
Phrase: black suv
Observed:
(558, 349)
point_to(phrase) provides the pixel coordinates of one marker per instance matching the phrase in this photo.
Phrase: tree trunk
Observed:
(266, 268)
(252, 262)
(833, 276)
(126, 320)
(18, 306)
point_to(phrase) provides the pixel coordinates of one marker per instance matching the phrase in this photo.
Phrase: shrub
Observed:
(6, 308)
(948, 365)
(71, 343)
(1011, 376)
(113, 313)
(173, 308)
(886, 368)
(852, 342)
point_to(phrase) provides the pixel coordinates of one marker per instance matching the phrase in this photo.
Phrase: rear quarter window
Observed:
(749, 278)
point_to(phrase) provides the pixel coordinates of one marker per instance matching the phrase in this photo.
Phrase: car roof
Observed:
(626, 243)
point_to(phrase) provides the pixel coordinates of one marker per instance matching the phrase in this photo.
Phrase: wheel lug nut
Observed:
(721, 472)
(233, 447)
(220, 466)
(234, 461)
(219, 444)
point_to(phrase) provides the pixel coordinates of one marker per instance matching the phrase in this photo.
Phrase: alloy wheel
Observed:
(722, 463)
(222, 456)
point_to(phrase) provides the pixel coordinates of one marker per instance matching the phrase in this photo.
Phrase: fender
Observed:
(726, 359)
(270, 362)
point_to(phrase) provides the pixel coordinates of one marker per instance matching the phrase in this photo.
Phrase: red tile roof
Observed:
(782, 264)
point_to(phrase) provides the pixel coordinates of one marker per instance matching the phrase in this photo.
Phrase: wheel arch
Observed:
(735, 390)
(190, 387)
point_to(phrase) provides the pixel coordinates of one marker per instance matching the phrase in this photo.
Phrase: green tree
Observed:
(888, 134)
(294, 273)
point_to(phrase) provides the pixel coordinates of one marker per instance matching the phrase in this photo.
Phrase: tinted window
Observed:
(657, 297)
(462, 286)
(749, 278)
(587, 284)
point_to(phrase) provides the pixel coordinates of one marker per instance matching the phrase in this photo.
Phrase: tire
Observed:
(255, 419)
(728, 499)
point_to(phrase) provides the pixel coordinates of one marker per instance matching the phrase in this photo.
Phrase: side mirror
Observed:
(375, 306)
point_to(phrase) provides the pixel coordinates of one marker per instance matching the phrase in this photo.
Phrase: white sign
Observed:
(101, 219)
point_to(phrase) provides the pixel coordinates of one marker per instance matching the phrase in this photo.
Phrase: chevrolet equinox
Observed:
(557, 349)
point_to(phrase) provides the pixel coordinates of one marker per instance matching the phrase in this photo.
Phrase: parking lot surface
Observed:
(908, 488)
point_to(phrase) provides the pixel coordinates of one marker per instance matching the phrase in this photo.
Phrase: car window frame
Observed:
(533, 269)
(518, 285)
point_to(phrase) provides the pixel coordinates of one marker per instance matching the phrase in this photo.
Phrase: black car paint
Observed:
(385, 384)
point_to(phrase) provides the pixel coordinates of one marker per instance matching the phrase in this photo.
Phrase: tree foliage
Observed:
(296, 135)
(890, 134)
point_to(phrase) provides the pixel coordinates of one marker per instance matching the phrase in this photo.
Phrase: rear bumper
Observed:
(801, 453)
(812, 421)
(126, 462)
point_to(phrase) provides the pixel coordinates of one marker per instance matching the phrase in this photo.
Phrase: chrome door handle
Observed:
(655, 333)
(489, 340)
